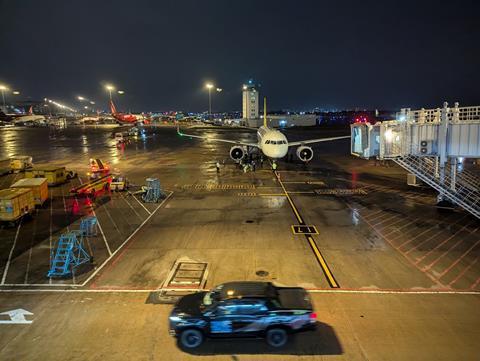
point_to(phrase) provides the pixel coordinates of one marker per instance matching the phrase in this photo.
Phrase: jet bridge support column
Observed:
(442, 146)
(453, 173)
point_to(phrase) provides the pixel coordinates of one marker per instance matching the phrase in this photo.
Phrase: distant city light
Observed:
(3, 87)
(209, 86)
(109, 87)
(219, 90)
(121, 92)
(80, 98)
(16, 92)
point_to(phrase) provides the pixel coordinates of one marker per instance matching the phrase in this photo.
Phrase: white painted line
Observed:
(99, 225)
(141, 204)
(133, 209)
(101, 231)
(11, 252)
(65, 208)
(125, 242)
(399, 292)
(31, 247)
(111, 219)
(51, 229)
(372, 292)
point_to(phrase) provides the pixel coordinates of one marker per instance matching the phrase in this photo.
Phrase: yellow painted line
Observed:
(305, 192)
(272, 194)
(322, 262)
(300, 219)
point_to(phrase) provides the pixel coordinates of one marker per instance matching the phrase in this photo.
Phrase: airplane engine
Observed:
(237, 153)
(305, 154)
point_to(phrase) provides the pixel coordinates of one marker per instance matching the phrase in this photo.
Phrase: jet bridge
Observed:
(428, 144)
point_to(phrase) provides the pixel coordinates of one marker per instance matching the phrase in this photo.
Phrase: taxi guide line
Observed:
(311, 241)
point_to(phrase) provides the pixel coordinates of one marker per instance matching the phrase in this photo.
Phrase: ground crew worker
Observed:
(274, 166)
(218, 166)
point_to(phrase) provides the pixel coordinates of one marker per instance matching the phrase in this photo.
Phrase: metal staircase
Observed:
(70, 253)
(463, 188)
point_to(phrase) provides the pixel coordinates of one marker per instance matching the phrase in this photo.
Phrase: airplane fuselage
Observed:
(273, 143)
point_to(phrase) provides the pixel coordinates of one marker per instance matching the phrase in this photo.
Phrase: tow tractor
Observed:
(119, 183)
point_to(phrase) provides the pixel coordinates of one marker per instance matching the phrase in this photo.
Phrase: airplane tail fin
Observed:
(30, 110)
(265, 111)
(112, 107)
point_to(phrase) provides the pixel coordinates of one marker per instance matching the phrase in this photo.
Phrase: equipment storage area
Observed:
(15, 203)
(38, 186)
(54, 175)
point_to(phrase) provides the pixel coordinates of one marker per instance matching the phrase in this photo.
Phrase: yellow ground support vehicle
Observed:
(119, 183)
(54, 175)
(38, 186)
(20, 162)
(15, 203)
(93, 186)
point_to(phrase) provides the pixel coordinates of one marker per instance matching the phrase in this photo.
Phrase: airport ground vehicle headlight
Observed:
(121, 92)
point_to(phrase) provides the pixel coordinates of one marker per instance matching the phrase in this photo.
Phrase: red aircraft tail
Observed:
(112, 107)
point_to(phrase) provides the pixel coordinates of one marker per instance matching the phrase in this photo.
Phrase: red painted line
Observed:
(429, 238)
(433, 279)
(460, 275)
(371, 214)
(426, 268)
(113, 263)
(386, 219)
(397, 229)
(441, 244)
(475, 284)
(418, 235)
(459, 259)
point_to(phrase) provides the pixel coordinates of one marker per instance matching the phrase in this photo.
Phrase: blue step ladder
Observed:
(88, 226)
(70, 254)
(153, 191)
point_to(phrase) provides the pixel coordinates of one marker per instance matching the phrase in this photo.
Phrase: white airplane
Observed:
(271, 142)
(30, 118)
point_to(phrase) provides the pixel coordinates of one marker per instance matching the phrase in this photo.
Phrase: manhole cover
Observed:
(261, 273)
(248, 221)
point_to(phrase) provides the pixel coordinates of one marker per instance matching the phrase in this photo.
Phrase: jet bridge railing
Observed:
(454, 114)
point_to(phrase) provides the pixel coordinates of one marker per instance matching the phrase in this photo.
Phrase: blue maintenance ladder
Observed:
(70, 253)
(88, 226)
(153, 192)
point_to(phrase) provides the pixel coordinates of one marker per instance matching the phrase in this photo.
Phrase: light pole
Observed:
(110, 88)
(209, 87)
(2, 89)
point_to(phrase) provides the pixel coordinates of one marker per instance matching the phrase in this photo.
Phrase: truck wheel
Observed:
(191, 338)
(277, 337)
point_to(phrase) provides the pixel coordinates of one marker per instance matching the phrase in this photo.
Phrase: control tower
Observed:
(250, 106)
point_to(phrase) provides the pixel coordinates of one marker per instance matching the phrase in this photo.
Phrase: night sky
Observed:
(330, 54)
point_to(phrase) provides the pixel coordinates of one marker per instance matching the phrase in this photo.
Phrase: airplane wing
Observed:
(236, 142)
(310, 141)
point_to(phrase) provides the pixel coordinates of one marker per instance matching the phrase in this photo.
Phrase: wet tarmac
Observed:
(378, 240)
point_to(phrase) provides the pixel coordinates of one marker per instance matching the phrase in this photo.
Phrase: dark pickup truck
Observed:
(242, 309)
